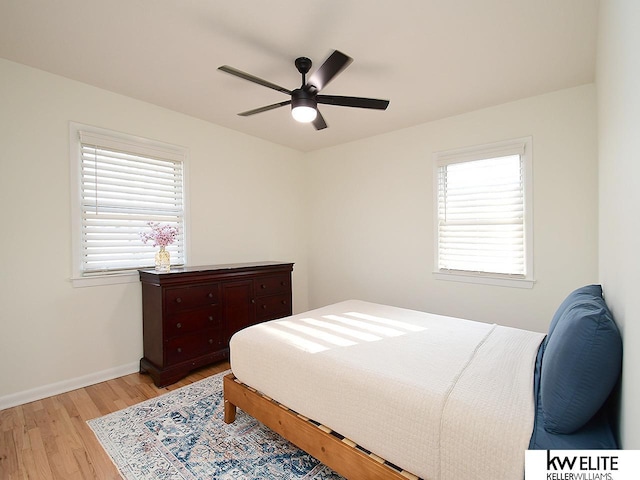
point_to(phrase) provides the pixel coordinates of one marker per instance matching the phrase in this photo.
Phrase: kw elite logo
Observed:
(581, 467)
(582, 464)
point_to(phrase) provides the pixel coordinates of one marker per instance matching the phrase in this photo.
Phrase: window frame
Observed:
(78, 277)
(480, 152)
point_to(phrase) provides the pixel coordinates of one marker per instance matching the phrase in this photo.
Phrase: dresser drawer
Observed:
(186, 347)
(183, 298)
(191, 321)
(272, 285)
(275, 306)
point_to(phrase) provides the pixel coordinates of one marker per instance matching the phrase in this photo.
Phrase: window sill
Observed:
(485, 279)
(107, 279)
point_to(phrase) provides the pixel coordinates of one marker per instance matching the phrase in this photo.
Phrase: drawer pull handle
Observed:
(253, 300)
(211, 341)
(283, 283)
(179, 350)
(179, 325)
(264, 307)
(178, 300)
(263, 286)
(284, 302)
(210, 318)
(210, 295)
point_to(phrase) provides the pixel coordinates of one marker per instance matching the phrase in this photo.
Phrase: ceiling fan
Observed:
(304, 100)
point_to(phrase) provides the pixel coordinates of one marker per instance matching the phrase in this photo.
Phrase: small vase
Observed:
(163, 260)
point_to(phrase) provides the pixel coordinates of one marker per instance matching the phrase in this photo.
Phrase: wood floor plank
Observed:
(66, 441)
(39, 461)
(84, 403)
(103, 397)
(97, 459)
(8, 455)
(10, 419)
(50, 439)
(87, 469)
(123, 395)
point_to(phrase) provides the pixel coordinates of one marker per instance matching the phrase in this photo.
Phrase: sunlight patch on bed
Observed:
(387, 321)
(319, 334)
(360, 335)
(295, 340)
(377, 329)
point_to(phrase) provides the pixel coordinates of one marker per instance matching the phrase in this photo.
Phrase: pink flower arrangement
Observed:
(161, 235)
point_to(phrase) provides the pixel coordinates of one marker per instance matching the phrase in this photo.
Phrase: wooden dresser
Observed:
(189, 314)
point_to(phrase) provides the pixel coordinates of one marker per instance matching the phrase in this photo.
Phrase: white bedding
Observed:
(441, 397)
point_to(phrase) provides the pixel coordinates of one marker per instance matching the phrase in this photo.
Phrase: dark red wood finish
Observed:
(190, 313)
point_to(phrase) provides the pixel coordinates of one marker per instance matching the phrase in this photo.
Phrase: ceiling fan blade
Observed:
(358, 102)
(252, 78)
(335, 64)
(319, 122)
(265, 109)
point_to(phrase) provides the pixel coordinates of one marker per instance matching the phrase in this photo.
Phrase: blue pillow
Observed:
(581, 363)
(584, 293)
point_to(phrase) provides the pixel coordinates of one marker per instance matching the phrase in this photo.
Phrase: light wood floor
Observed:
(49, 438)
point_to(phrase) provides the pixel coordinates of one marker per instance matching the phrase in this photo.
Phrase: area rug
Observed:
(182, 435)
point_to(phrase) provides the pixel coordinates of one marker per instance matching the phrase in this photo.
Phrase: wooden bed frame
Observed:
(338, 453)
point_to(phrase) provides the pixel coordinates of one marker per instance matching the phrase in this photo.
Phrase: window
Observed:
(121, 183)
(483, 214)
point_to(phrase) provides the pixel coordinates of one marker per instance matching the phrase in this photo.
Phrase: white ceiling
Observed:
(431, 58)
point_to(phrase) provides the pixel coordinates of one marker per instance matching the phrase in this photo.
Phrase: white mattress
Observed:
(441, 397)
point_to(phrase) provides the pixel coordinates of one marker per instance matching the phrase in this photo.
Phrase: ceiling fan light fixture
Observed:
(303, 106)
(304, 114)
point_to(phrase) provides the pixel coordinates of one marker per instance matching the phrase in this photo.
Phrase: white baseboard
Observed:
(45, 391)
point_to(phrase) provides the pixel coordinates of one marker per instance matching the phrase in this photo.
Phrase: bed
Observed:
(375, 391)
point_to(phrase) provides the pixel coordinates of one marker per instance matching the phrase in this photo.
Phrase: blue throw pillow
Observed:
(581, 363)
(584, 293)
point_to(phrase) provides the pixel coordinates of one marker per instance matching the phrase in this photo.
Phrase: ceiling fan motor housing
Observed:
(303, 98)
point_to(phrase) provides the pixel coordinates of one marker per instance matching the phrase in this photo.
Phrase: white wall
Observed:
(246, 204)
(618, 87)
(371, 219)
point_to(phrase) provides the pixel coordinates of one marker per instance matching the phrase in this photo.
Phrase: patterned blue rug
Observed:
(182, 435)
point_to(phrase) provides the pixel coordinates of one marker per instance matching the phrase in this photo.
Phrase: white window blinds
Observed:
(124, 185)
(481, 211)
